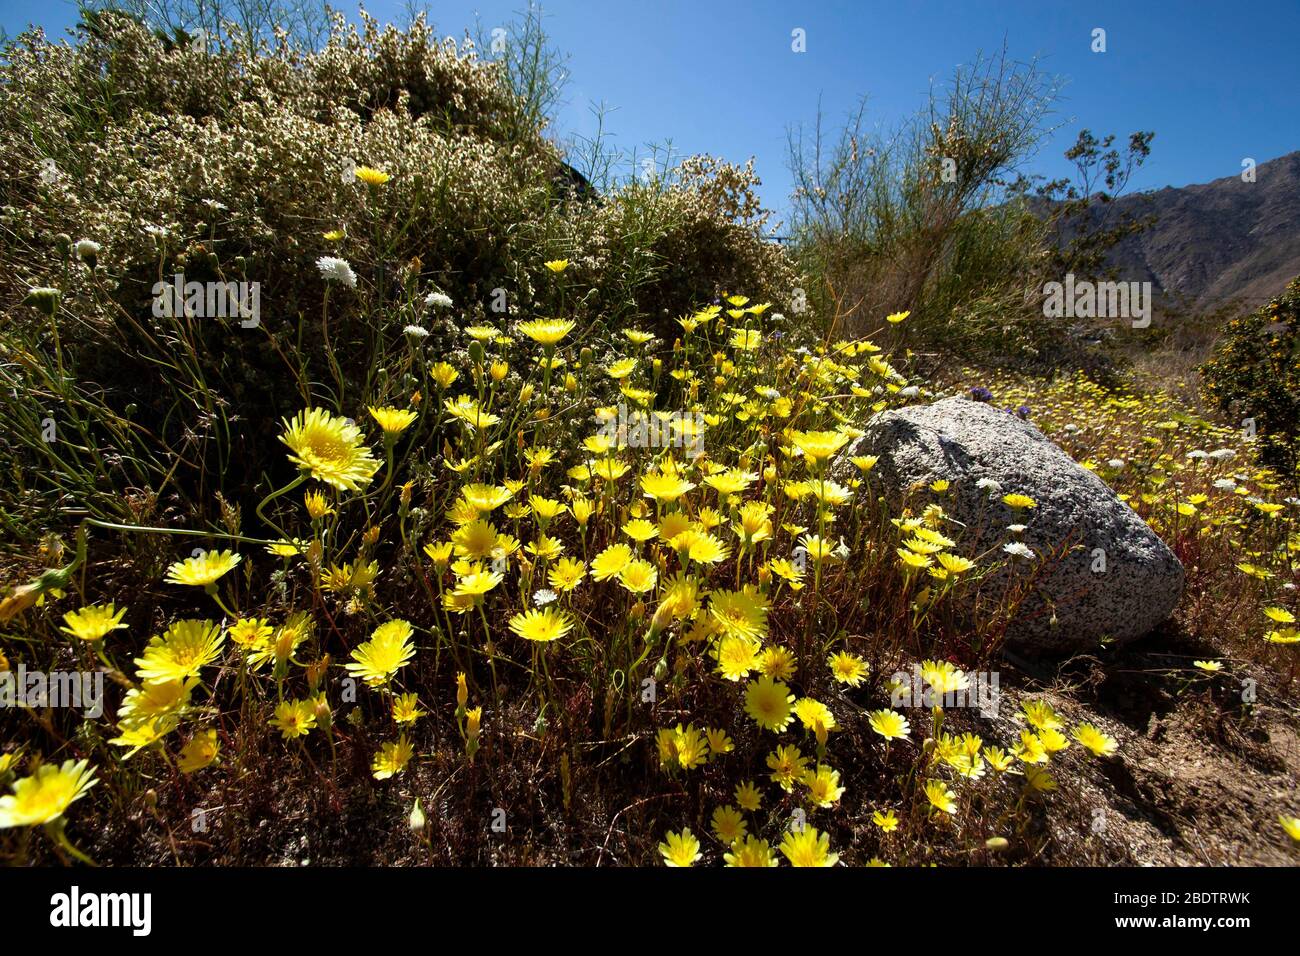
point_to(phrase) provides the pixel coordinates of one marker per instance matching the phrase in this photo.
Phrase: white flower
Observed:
(1116, 463)
(1226, 484)
(1018, 550)
(437, 300)
(910, 392)
(544, 596)
(1016, 528)
(337, 270)
(1222, 454)
(85, 249)
(1072, 428)
(989, 485)
(1197, 453)
(416, 332)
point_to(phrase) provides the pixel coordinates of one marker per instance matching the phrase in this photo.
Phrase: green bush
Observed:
(232, 161)
(1255, 374)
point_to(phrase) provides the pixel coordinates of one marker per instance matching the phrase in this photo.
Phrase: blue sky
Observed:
(1216, 81)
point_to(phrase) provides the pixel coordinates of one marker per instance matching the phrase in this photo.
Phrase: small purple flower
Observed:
(1022, 411)
(981, 394)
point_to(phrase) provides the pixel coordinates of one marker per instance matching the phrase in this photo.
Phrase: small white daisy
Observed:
(337, 270)
(416, 332)
(85, 249)
(544, 596)
(1018, 549)
(437, 300)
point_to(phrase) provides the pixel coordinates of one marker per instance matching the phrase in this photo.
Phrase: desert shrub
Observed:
(918, 220)
(234, 160)
(1255, 375)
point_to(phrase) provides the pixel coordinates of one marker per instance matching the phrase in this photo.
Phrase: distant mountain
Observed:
(1217, 242)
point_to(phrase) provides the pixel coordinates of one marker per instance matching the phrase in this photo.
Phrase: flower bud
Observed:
(417, 819)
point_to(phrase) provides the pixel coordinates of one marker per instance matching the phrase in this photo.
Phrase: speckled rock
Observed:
(1102, 572)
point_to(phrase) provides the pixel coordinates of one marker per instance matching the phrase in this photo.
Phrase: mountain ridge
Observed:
(1216, 244)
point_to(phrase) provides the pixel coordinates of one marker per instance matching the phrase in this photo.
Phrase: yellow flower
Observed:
(750, 852)
(557, 265)
(180, 652)
(640, 530)
(680, 849)
(896, 317)
(814, 715)
(1019, 502)
(145, 733)
(294, 718)
(807, 847)
(317, 506)
(739, 614)
(371, 176)
(330, 449)
(203, 570)
(155, 699)
(393, 421)
(940, 797)
(729, 825)
(389, 648)
(823, 785)
(748, 796)
(767, 702)
(406, 709)
(444, 374)
(890, 724)
(46, 795)
(474, 586)
(719, 742)
(93, 623)
(392, 758)
(848, 668)
(639, 576)
(737, 656)
(1211, 666)
(543, 626)
(665, 488)
(199, 752)
(1291, 825)
(787, 765)
(567, 574)
(778, 662)
(818, 446)
(547, 332)
(1040, 714)
(886, 820)
(1100, 744)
